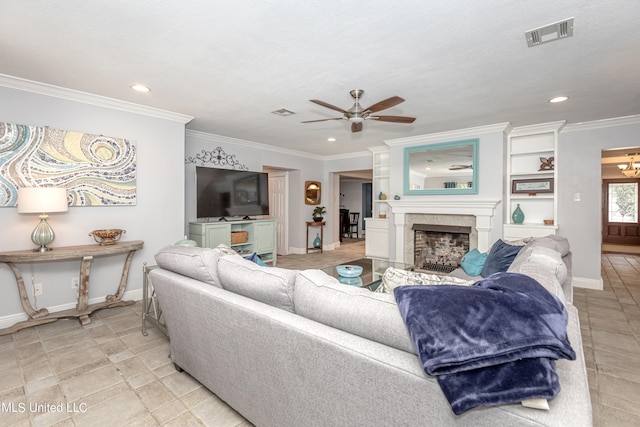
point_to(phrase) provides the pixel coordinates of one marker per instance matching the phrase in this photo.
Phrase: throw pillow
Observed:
(255, 258)
(473, 262)
(500, 258)
(520, 242)
(394, 277)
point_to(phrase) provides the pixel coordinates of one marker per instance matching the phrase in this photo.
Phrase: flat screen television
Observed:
(225, 193)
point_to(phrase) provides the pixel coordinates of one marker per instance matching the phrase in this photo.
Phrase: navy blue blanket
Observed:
(491, 343)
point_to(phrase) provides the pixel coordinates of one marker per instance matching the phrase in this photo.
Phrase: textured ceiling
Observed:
(229, 64)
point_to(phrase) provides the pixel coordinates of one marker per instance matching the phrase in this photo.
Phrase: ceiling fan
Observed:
(460, 167)
(356, 114)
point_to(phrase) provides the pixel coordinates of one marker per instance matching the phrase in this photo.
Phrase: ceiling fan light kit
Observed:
(357, 115)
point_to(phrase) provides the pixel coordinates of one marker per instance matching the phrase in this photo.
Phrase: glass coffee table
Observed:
(372, 272)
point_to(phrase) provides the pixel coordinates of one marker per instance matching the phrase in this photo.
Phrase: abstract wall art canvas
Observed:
(96, 170)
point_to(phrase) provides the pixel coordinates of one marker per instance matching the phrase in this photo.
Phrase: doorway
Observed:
(354, 197)
(620, 211)
(367, 202)
(620, 197)
(279, 207)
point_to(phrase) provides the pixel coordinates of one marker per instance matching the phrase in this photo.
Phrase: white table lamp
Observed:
(42, 200)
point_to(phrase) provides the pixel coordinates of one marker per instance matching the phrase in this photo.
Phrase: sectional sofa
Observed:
(298, 348)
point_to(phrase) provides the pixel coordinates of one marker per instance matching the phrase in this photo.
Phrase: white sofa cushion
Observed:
(196, 263)
(356, 310)
(270, 285)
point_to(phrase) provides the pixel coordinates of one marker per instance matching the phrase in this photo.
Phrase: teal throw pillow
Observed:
(473, 262)
(255, 258)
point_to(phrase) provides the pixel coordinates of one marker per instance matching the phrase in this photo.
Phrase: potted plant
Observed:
(318, 211)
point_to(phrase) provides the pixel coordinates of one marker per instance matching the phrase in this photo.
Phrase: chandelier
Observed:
(631, 169)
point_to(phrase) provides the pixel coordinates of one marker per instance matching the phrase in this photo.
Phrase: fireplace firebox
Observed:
(439, 248)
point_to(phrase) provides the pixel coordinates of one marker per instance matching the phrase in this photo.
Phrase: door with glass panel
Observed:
(620, 211)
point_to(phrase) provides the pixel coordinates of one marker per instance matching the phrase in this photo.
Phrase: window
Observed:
(623, 202)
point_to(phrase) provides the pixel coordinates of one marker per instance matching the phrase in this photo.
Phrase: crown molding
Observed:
(352, 155)
(376, 149)
(538, 128)
(604, 123)
(220, 139)
(454, 134)
(89, 98)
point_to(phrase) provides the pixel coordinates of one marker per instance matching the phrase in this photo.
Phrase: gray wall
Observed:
(255, 156)
(166, 197)
(579, 171)
(157, 218)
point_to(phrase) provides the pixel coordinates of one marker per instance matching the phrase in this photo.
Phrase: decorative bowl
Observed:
(349, 270)
(107, 236)
(351, 281)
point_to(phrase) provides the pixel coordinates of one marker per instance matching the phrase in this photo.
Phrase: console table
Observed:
(315, 224)
(85, 253)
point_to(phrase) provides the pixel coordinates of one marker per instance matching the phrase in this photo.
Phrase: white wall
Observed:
(491, 148)
(157, 218)
(579, 171)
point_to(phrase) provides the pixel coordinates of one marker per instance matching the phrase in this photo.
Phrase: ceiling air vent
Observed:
(550, 32)
(283, 112)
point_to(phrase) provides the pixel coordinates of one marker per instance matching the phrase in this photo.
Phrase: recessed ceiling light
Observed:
(332, 139)
(558, 99)
(140, 88)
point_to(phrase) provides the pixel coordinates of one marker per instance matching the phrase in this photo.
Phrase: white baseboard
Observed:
(302, 251)
(12, 319)
(583, 282)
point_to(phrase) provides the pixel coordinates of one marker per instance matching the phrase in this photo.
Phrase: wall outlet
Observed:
(37, 289)
(75, 283)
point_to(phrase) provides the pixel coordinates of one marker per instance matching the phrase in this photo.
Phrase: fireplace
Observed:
(479, 215)
(439, 248)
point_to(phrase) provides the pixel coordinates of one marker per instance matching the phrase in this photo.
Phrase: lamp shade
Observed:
(42, 200)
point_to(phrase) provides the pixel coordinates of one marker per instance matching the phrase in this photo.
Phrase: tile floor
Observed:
(108, 374)
(610, 321)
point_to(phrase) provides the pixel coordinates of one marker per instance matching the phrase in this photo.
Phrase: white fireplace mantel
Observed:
(482, 210)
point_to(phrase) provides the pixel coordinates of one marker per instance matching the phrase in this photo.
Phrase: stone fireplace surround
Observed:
(470, 213)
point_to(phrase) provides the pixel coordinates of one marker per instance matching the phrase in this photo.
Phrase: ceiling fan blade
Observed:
(356, 127)
(395, 119)
(323, 120)
(333, 107)
(383, 105)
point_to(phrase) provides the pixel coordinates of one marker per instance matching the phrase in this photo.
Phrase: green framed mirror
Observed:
(442, 168)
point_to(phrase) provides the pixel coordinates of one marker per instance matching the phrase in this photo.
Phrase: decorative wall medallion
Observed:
(96, 170)
(217, 157)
